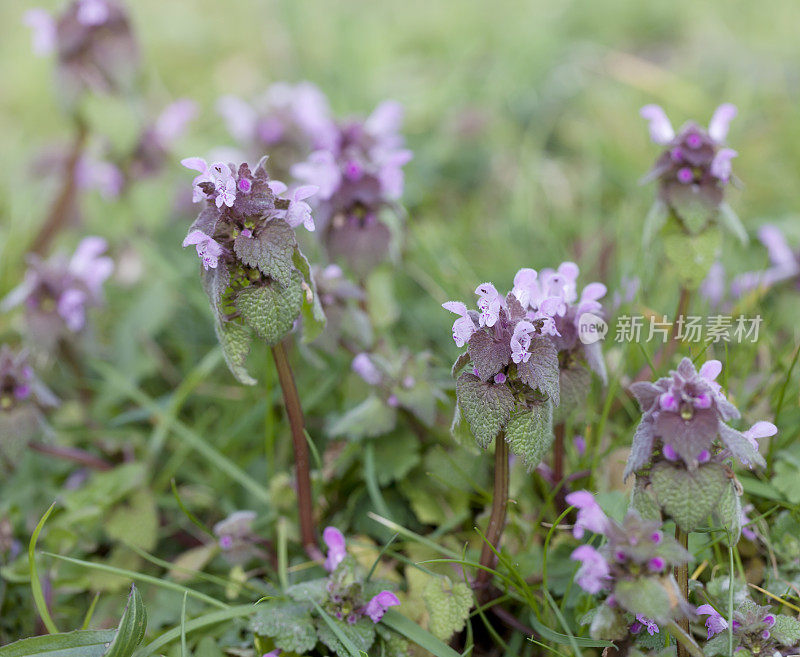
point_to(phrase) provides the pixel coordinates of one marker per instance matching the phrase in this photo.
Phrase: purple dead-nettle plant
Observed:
(401, 385)
(360, 180)
(290, 121)
(631, 570)
(93, 43)
(24, 400)
(757, 630)
(347, 598)
(683, 446)
(57, 293)
(573, 322)
(511, 385)
(693, 173)
(784, 264)
(258, 283)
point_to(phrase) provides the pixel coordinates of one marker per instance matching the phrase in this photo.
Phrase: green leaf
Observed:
(730, 221)
(529, 434)
(448, 606)
(786, 630)
(235, 338)
(84, 643)
(314, 589)
(607, 624)
(459, 364)
(693, 208)
(288, 623)
(135, 522)
(371, 418)
(414, 633)
(130, 632)
(271, 309)
(36, 583)
(574, 383)
(717, 645)
(395, 458)
(541, 370)
(646, 596)
(688, 497)
(270, 251)
(691, 256)
(728, 513)
(486, 407)
(344, 639)
(654, 221)
(420, 400)
(644, 502)
(313, 315)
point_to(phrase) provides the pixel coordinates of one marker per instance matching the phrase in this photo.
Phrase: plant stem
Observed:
(63, 207)
(498, 517)
(682, 577)
(558, 468)
(73, 454)
(294, 411)
(686, 644)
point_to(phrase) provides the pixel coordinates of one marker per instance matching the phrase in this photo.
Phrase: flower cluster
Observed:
(784, 264)
(94, 44)
(686, 412)
(157, 139)
(358, 175)
(256, 278)
(756, 629)
(695, 166)
(632, 565)
(56, 293)
(346, 590)
(289, 121)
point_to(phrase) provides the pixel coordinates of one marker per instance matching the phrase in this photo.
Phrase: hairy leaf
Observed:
(541, 370)
(688, 496)
(530, 433)
(485, 406)
(488, 356)
(647, 596)
(361, 634)
(371, 418)
(235, 339)
(288, 623)
(132, 626)
(448, 606)
(271, 309)
(270, 250)
(728, 513)
(574, 383)
(313, 315)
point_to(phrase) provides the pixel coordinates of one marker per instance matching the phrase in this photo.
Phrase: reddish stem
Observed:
(497, 519)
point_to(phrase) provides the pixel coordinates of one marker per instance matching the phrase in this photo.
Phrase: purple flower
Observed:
(745, 522)
(594, 572)
(320, 170)
(43, 30)
(463, 327)
(173, 120)
(365, 368)
(299, 211)
(580, 445)
(713, 286)
(235, 536)
(590, 515)
(642, 622)
(272, 653)
(759, 430)
(715, 623)
(378, 605)
(521, 341)
(208, 249)
(490, 302)
(337, 548)
(105, 177)
(93, 12)
(721, 164)
(661, 131)
(720, 122)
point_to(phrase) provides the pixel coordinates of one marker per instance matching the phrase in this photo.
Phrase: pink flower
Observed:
(715, 623)
(490, 302)
(299, 211)
(365, 368)
(642, 622)
(337, 548)
(72, 308)
(520, 341)
(463, 327)
(721, 164)
(172, 121)
(92, 12)
(590, 515)
(759, 430)
(378, 605)
(594, 571)
(661, 131)
(322, 170)
(43, 31)
(88, 264)
(718, 126)
(208, 250)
